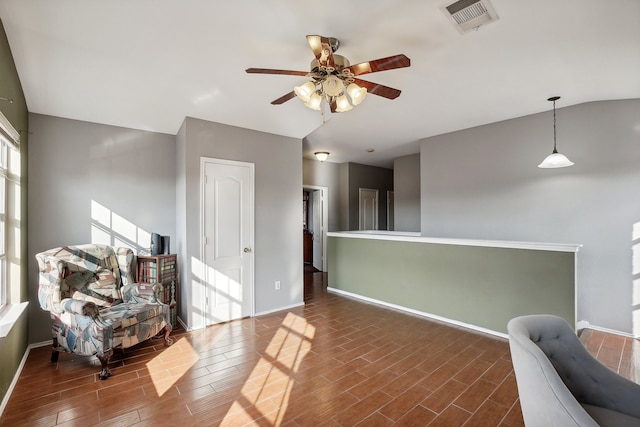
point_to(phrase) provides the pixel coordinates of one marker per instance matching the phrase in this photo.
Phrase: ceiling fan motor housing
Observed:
(339, 61)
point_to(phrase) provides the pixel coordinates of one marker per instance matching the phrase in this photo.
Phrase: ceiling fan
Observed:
(333, 78)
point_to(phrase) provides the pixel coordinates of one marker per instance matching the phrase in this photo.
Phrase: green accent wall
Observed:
(14, 345)
(477, 285)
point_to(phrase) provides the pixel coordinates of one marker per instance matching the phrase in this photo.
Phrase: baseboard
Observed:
(40, 344)
(16, 376)
(262, 313)
(420, 313)
(184, 325)
(587, 325)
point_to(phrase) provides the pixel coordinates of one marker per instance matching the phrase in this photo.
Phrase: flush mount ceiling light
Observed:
(321, 155)
(334, 80)
(555, 159)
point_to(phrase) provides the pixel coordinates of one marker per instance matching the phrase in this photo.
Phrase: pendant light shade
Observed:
(555, 159)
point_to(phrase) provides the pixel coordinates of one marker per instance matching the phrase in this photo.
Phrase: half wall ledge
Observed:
(479, 283)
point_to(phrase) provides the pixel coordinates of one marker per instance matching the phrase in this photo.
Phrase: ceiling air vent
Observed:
(468, 15)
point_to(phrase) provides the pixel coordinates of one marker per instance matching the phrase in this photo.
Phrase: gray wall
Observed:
(278, 207)
(484, 183)
(406, 189)
(78, 170)
(325, 174)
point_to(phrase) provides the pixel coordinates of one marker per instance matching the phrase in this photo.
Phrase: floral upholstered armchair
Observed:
(94, 302)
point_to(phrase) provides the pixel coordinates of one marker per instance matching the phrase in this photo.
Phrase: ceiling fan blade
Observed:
(382, 64)
(271, 71)
(321, 47)
(378, 89)
(284, 98)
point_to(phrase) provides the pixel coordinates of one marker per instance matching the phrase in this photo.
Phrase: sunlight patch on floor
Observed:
(268, 389)
(163, 379)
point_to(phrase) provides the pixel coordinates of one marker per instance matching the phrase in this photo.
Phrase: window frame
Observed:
(10, 165)
(5, 178)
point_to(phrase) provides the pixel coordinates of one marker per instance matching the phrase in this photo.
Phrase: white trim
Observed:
(275, 310)
(40, 344)
(403, 236)
(575, 291)
(7, 128)
(9, 315)
(420, 313)
(184, 325)
(16, 377)
(607, 330)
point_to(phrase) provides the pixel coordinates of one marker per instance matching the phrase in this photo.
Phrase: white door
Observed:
(227, 240)
(318, 228)
(368, 209)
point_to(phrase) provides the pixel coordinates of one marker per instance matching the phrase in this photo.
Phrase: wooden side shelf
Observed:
(163, 270)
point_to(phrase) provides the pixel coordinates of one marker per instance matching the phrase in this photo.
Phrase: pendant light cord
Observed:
(554, 127)
(554, 99)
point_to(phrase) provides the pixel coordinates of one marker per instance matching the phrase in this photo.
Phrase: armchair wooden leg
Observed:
(167, 341)
(54, 356)
(104, 361)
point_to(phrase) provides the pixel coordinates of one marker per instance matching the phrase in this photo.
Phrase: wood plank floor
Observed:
(333, 362)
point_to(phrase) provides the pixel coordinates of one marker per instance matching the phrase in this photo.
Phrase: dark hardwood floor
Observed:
(334, 362)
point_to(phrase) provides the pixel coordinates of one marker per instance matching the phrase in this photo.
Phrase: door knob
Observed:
(247, 250)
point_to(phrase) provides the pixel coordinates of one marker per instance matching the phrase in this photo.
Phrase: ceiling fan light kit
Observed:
(314, 102)
(356, 93)
(305, 91)
(334, 80)
(342, 104)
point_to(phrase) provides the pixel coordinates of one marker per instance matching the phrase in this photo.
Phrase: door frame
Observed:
(325, 218)
(204, 272)
(391, 215)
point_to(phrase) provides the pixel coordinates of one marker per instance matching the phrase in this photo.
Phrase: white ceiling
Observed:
(146, 64)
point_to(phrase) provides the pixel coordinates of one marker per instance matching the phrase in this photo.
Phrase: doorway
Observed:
(227, 239)
(315, 219)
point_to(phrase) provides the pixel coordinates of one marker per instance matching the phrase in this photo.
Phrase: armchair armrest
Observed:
(76, 306)
(51, 275)
(140, 292)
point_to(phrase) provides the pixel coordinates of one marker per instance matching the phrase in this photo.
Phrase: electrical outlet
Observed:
(277, 285)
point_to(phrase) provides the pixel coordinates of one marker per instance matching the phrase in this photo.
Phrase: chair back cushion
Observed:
(544, 398)
(90, 272)
(554, 370)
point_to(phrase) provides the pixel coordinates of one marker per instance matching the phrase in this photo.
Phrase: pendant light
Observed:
(555, 159)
